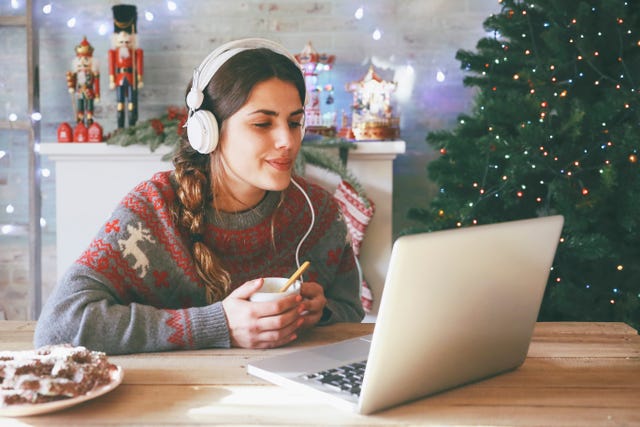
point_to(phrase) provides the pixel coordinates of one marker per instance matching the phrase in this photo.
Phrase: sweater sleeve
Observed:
(134, 289)
(84, 310)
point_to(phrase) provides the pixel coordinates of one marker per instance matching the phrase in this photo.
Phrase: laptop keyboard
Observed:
(346, 378)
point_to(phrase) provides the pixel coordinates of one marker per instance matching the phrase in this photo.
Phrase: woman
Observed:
(175, 265)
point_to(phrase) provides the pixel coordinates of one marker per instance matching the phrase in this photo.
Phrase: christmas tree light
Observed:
(555, 128)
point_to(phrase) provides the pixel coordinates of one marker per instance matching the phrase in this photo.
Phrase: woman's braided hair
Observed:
(201, 176)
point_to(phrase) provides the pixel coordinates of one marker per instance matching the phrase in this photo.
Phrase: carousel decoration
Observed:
(83, 83)
(125, 63)
(372, 113)
(313, 65)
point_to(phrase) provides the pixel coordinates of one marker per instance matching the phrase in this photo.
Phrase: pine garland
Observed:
(166, 130)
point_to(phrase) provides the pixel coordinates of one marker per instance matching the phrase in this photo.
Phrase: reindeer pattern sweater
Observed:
(135, 288)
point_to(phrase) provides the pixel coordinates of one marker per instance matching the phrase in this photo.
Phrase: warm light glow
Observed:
(359, 13)
(171, 5)
(46, 9)
(71, 22)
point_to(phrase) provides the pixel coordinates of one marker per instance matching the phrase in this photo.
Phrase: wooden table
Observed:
(576, 374)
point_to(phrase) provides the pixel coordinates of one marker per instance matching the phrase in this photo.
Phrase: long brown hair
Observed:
(199, 176)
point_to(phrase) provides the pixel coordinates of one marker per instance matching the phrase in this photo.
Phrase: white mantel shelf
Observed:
(71, 151)
(92, 178)
(80, 151)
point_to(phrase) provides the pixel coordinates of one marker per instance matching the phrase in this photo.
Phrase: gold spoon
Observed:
(295, 276)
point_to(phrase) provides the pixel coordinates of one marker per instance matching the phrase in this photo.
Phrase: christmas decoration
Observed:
(65, 133)
(358, 211)
(313, 64)
(372, 113)
(554, 129)
(84, 86)
(125, 63)
(165, 130)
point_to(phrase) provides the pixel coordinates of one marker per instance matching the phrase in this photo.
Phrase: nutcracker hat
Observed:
(84, 48)
(125, 17)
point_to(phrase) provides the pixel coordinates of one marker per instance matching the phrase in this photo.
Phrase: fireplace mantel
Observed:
(92, 178)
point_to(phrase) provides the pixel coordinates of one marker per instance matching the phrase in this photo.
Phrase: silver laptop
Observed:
(458, 306)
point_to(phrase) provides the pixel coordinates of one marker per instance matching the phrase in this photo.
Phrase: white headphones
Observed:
(202, 126)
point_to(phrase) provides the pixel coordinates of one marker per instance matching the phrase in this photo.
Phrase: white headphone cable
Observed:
(313, 220)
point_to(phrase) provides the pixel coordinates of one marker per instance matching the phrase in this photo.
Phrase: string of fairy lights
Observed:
(585, 59)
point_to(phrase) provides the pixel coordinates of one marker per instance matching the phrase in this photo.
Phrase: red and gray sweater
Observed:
(135, 288)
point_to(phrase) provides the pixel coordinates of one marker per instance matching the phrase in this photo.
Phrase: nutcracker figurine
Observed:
(125, 63)
(84, 82)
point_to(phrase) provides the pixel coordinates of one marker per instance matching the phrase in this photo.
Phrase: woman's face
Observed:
(260, 142)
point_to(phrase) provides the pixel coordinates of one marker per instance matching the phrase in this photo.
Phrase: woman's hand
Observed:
(265, 324)
(313, 302)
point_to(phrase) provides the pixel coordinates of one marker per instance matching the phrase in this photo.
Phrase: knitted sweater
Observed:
(135, 289)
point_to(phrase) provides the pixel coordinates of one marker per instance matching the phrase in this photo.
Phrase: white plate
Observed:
(24, 410)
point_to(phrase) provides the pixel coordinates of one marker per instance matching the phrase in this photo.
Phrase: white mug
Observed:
(271, 289)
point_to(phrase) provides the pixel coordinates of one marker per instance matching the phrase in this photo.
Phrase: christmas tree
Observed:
(555, 129)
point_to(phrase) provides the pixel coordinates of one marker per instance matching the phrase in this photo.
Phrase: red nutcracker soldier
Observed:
(84, 82)
(125, 63)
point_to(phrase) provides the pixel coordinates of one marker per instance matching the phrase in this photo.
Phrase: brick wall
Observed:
(423, 34)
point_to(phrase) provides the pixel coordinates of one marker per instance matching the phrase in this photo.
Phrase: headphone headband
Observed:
(203, 131)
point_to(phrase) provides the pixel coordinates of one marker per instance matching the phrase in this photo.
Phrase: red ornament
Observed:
(157, 126)
(80, 133)
(65, 133)
(95, 133)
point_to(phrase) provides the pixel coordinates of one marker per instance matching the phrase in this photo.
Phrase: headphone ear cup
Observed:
(202, 131)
